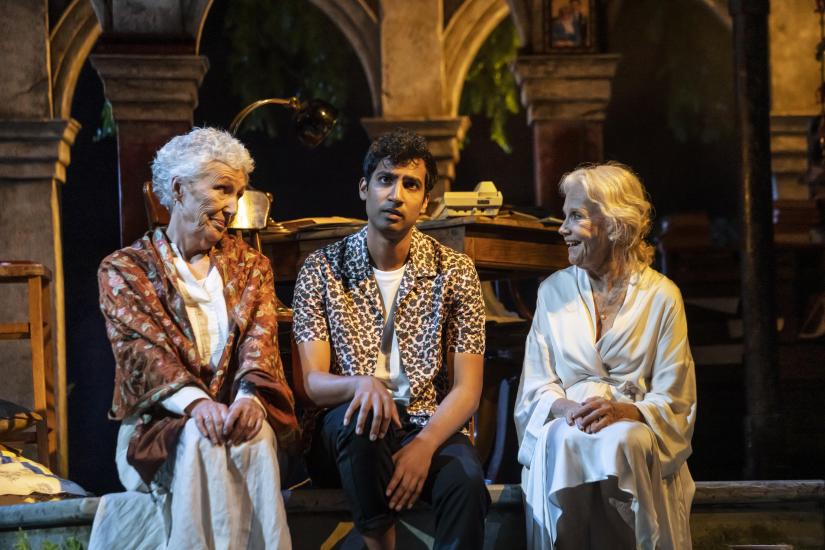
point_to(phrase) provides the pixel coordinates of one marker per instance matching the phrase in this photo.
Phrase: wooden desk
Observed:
(500, 247)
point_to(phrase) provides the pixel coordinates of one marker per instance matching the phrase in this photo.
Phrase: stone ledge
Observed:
(753, 492)
(742, 493)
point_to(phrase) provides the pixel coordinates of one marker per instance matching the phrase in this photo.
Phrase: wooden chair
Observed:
(38, 330)
(156, 213)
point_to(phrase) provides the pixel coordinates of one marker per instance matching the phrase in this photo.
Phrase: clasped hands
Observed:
(412, 462)
(595, 413)
(233, 425)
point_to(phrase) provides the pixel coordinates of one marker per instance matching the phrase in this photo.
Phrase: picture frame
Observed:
(570, 25)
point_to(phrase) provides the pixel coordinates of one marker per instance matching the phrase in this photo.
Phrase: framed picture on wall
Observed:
(569, 25)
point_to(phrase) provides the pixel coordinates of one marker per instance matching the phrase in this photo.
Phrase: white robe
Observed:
(643, 359)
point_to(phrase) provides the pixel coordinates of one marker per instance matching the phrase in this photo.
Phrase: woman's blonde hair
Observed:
(623, 201)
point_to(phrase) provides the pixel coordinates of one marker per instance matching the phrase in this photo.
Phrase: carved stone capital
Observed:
(36, 149)
(152, 17)
(565, 87)
(443, 137)
(151, 87)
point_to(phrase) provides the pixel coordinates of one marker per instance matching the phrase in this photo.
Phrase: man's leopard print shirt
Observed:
(439, 308)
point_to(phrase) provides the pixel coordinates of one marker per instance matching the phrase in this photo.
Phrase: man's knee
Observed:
(468, 489)
(348, 436)
(462, 479)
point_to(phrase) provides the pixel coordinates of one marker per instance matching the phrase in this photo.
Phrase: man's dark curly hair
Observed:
(400, 147)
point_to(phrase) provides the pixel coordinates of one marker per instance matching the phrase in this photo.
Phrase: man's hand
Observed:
(209, 417)
(372, 395)
(412, 464)
(596, 413)
(243, 421)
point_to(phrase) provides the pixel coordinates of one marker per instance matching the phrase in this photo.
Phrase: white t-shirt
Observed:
(388, 369)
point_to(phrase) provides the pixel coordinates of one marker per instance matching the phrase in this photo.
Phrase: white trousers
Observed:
(205, 497)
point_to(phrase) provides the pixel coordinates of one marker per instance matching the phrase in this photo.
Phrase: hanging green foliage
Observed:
(490, 89)
(286, 48)
(107, 128)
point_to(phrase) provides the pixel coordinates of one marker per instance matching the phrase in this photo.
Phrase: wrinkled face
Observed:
(394, 196)
(585, 231)
(206, 205)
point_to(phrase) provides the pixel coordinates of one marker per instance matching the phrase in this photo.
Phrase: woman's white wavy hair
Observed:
(623, 201)
(187, 157)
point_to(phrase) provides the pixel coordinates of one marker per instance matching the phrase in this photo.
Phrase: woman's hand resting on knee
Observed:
(243, 421)
(595, 413)
(233, 425)
(209, 418)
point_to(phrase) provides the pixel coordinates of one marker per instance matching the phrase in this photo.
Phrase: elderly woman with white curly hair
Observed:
(199, 384)
(607, 399)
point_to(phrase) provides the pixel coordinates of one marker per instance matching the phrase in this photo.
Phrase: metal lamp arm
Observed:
(292, 103)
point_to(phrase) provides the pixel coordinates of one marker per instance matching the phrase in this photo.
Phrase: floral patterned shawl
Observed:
(155, 351)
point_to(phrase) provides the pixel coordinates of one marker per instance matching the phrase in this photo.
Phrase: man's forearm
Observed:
(452, 415)
(328, 390)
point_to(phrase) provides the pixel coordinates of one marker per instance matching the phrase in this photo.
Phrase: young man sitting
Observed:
(374, 315)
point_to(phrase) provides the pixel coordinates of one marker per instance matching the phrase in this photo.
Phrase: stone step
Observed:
(724, 512)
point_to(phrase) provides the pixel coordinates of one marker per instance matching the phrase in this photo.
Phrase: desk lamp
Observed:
(314, 120)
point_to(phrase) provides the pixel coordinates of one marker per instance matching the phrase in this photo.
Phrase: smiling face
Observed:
(394, 197)
(585, 232)
(204, 207)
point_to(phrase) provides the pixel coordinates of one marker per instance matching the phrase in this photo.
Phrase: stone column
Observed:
(152, 97)
(34, 155)
(443, 136)
(411, 44)
(763, 449)
(411, 36)
(566, 97)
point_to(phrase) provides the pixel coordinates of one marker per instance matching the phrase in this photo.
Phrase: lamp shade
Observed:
(314, 120)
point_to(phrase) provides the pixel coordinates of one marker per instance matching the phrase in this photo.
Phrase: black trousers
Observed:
(363, 469)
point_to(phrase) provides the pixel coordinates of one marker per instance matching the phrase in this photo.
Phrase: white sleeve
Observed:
(669, 408)
(539, 386)
(178, 401)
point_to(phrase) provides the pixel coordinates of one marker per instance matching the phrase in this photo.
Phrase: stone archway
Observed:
(359, 25)
(70, 42)
(466, 31)
(74, 35)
